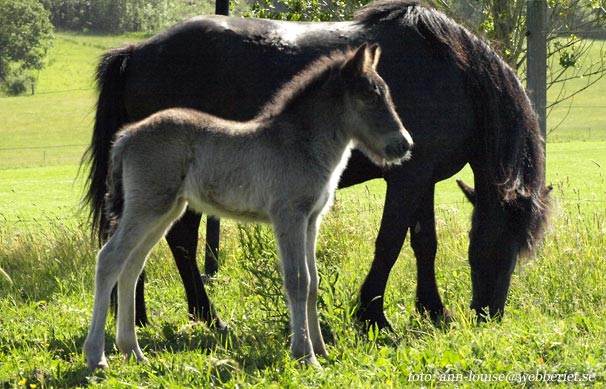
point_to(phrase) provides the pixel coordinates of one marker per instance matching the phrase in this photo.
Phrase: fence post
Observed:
(536, 62)
(222, 7)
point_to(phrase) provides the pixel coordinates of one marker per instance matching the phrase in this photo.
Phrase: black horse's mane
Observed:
(511, 140)
(445, 37)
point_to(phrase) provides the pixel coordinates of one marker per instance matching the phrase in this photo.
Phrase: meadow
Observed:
(553, 333)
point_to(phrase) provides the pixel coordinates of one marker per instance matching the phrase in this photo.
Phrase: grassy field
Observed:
(555, 313)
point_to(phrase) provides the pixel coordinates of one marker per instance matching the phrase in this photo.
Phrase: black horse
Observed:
(459, 100)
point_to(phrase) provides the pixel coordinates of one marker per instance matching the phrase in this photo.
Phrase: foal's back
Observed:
(189, 155)
(220, 167)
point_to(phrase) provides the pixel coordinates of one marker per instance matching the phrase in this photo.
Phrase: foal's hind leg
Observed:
(154, 228)
(110, 264)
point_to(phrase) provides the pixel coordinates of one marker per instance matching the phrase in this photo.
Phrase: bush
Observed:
(306, 10)
(16, 85)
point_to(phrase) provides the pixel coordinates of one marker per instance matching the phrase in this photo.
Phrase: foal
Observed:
(281, 168)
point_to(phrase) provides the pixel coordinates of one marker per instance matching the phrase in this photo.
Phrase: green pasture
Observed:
(553, 334)
(580, 117)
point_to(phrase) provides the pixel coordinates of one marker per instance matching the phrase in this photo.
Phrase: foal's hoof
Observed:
(310, 361)
(97, 365)
(322, 353)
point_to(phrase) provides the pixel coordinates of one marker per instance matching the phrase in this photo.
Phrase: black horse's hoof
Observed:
(219, 324)
(439, 316)
(484, 315)
(371, 319)
(442, 319)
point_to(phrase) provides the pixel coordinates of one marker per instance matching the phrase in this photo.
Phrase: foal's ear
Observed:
(375, 54)
(360, 62)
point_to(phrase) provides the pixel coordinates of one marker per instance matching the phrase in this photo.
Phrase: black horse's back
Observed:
(227, 66)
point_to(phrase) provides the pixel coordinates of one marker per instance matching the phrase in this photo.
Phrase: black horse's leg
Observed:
(183, 242)
(424, 243)
(211, 258)
(141, 319)
(394, 224)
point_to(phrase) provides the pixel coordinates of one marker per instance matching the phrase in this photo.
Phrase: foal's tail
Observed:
(114, 198)
(109, 118)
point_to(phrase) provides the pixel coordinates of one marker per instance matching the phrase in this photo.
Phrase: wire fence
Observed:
(365, 205)
(16, 157)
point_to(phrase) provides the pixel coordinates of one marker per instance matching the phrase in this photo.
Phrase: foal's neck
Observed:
(318, 121)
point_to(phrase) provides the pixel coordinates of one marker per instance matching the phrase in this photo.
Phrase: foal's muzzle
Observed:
(398, 150)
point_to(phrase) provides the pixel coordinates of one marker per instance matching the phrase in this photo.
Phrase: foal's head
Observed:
(376, 126)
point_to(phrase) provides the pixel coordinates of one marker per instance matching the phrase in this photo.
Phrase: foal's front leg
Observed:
(315, 332)
(290, 232)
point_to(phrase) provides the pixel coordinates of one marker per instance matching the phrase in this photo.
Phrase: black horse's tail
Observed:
(109, 118)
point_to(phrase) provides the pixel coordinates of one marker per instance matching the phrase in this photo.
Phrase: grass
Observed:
(554, 322)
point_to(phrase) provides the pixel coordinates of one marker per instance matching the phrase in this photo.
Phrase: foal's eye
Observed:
(373, 95)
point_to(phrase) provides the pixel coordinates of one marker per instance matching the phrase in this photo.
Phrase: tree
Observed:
(26, 34)
(571, 25)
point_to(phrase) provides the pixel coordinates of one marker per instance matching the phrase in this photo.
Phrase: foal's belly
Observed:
(233, 205)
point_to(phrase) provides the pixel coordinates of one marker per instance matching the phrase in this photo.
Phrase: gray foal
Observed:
(282, 168)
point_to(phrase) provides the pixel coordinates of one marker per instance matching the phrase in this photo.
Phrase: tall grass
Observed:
(554, 321)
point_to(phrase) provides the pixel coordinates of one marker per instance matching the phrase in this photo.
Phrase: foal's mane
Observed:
(509, 138)
(308, 80)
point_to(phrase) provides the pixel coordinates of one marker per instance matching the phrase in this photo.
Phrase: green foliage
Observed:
(18, 82)
(306, 10)
(117, 16)
(26, 34)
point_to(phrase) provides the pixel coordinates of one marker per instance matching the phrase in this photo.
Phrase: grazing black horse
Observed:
(459, 100)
